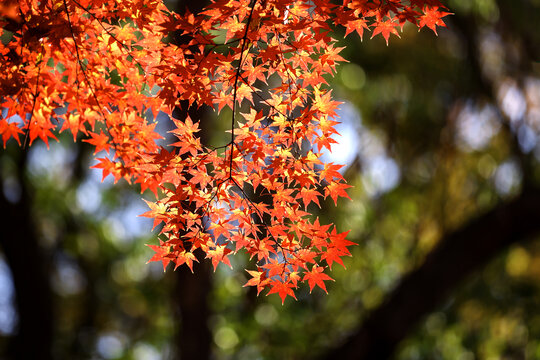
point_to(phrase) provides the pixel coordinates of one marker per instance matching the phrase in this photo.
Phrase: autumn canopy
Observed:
(102, 70)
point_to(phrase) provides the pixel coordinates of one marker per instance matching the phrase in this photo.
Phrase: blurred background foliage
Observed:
(435, 132)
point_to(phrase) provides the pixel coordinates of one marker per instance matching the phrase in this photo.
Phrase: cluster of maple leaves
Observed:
(102, 70)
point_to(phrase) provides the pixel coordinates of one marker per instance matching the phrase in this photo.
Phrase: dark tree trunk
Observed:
(29, 268)
(193, 338)
(456, 257)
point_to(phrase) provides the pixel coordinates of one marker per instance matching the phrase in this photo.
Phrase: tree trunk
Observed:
(456, 257)
(29, 268)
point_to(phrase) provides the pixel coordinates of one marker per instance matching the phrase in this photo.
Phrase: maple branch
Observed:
(123, 46)
(282, 59)
(235, 87)
(78, 57)
(116, 145)
(458, 255)
(209, 51)
(80, 64)
(289, 83)
(265, 101)
(252, 205)
(34, 101)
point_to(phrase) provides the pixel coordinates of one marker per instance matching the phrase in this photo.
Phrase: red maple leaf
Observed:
(101, 142)
(9, 130)
(316, 277)
(258, 279)
(432, 17)
(357, 25)
(385, 28)
(283, 289)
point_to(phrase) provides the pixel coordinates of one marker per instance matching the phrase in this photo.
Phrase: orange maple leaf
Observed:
(385, 28)
(432, 17)
(283, 289)
(316, 277)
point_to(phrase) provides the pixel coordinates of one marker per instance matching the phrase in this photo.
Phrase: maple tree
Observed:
(102, 70)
